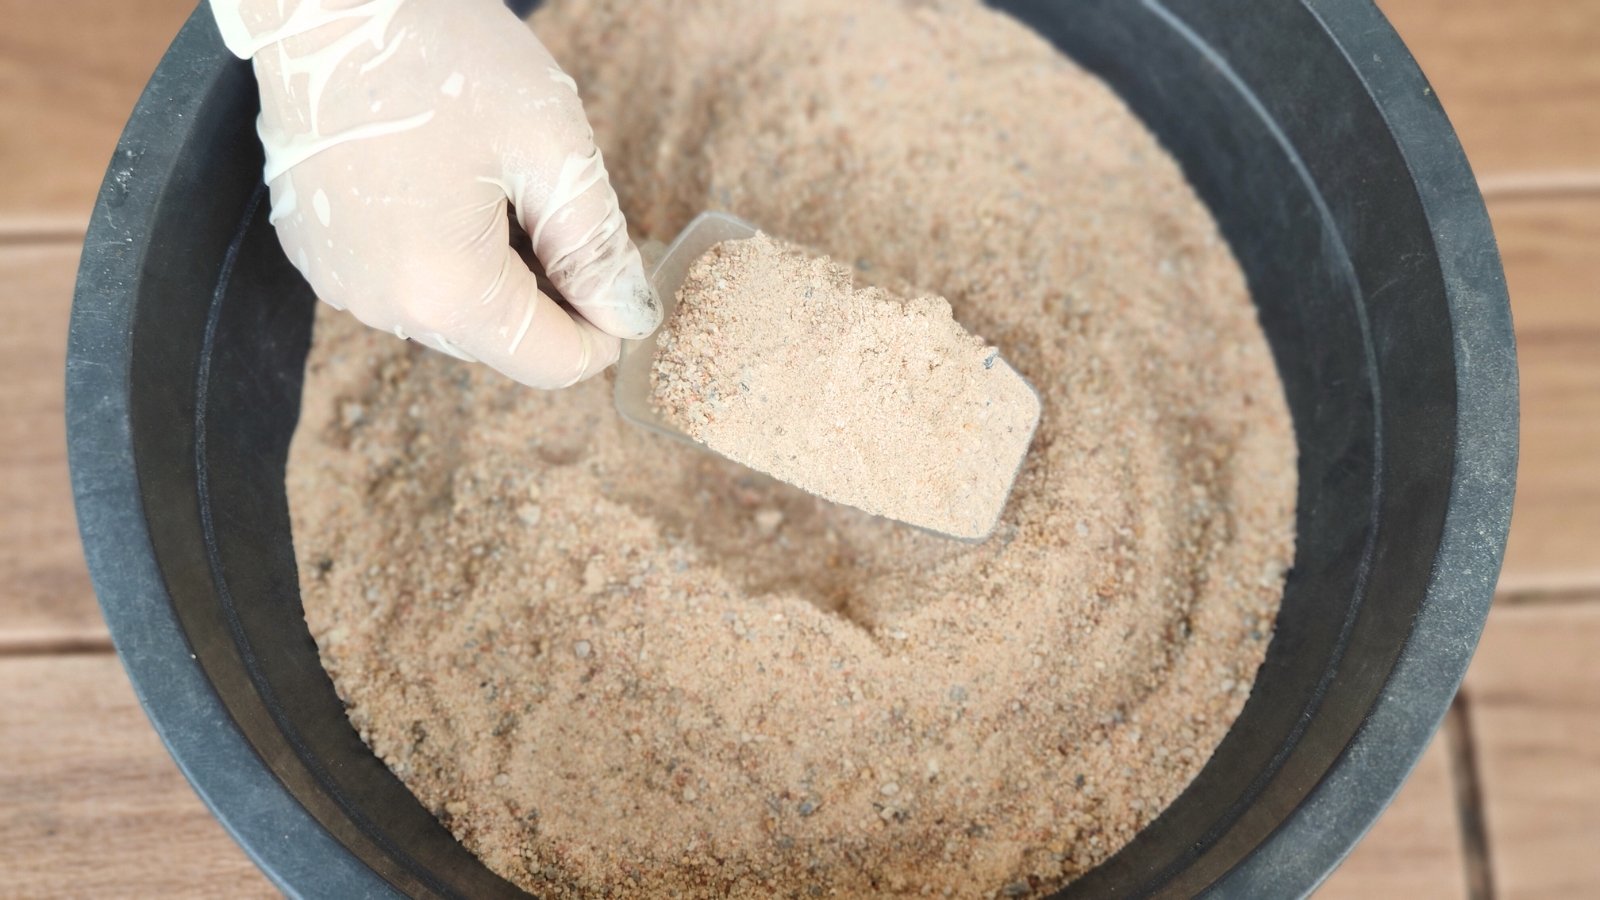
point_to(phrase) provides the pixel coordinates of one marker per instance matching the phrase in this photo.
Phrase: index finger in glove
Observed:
(580, 237)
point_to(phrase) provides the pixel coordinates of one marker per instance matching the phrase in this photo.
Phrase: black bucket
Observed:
(1336, 177)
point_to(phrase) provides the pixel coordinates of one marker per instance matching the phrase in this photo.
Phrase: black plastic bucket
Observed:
(1338, 181)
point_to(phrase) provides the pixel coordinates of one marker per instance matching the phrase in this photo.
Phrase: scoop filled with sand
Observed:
(774, 358)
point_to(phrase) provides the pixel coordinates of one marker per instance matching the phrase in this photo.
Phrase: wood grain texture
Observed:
(45, 596)
(1520, 88)
(1414, 850)
(70, 71)
(1551, 248)
(93, 806)
(1534, 692)
(1521, 82)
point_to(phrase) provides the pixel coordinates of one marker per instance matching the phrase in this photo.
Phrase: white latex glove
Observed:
(396, 131)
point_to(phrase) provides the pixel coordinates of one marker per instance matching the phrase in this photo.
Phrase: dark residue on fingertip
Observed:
(645, 296)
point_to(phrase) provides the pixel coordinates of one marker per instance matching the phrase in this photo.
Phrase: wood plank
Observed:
(1534, 693)
(93, 806)
(1519, 81)
(1548, 244)
(1414, 850)
(45, 596)
(1519, 87)
(69, 75)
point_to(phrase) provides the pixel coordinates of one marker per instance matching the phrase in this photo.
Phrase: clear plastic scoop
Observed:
(667, 274)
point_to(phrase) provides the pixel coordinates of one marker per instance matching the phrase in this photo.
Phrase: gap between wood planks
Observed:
(34, 237)
(1467, 784)
(1555, 596)
(55, 646)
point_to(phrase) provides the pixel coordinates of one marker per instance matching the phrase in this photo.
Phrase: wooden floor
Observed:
(1505, 803)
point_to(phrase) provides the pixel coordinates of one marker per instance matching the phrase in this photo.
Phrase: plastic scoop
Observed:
(667, 275)
(961, 503)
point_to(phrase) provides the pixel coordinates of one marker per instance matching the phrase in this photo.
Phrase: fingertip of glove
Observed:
(640, 300)
(630, 308)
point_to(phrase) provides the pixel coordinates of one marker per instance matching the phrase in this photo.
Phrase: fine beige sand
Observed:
(775, 359)
(614, 665)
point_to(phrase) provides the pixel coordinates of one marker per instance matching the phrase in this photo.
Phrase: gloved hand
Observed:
(396, 131)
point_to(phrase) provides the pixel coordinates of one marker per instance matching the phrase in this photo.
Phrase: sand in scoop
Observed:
(774, 359)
